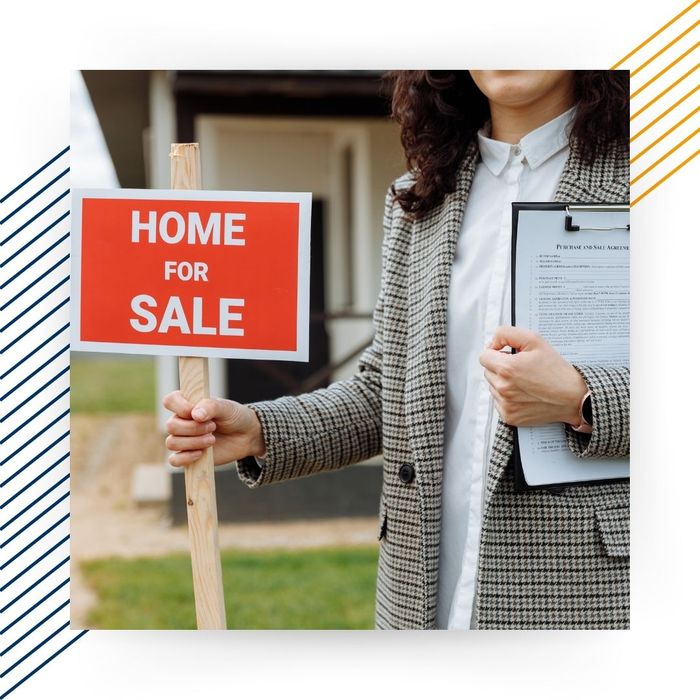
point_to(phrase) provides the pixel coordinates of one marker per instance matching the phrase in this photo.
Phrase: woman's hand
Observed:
(536, 385)
(231, 428)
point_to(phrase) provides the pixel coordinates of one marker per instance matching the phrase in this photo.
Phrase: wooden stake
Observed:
(185, 174)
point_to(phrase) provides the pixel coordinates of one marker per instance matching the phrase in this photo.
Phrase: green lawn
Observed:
(330, 588)
(112, 385)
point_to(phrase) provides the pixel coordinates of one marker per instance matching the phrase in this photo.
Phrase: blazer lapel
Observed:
(606, 180)
(431, 252)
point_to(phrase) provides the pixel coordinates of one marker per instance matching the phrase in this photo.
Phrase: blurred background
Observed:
(300, 554)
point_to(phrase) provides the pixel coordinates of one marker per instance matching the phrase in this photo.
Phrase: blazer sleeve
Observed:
(610, 401)
(328, 428)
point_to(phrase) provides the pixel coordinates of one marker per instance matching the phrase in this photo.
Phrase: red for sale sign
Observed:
(191, 272)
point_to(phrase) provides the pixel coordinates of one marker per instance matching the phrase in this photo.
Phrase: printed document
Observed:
(573, 289)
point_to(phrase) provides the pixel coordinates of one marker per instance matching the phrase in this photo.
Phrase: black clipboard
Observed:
(519, 481)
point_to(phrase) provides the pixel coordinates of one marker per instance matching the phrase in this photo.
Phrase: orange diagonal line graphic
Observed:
(665, 48)
(664, 178)
(664, 113)
(655, 34)
(664, 135)
(664, 156)
(664, 91)
(660, 73)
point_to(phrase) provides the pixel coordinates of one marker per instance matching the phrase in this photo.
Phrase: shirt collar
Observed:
(537, 146)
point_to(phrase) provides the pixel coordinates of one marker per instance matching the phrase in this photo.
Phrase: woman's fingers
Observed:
(183, 459)
(176, 402)
(181, 426)
(177, 443)
(497, 399)
(491, 377)
(510, 336)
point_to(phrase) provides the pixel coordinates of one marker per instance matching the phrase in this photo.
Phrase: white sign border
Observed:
(303, 199)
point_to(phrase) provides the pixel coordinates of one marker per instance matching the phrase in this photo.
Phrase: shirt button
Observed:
(517, 150)
(406, 473)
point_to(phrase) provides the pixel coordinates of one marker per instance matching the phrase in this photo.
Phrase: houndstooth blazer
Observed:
(548, 559)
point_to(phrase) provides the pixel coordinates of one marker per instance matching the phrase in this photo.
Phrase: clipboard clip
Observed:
(569, 225)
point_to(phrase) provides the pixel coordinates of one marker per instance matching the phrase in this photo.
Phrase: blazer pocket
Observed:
(614, 527)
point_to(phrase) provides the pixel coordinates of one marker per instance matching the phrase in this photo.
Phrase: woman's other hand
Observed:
(534, 386)
(231, 428)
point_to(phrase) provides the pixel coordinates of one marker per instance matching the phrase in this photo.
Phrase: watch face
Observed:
(587, 410)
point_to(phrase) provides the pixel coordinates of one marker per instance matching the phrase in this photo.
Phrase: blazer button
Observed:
(406, 473)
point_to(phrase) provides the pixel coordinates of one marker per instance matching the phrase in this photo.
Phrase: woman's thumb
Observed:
(210, 409)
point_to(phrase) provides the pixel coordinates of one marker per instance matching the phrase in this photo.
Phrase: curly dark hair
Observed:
(439, 113)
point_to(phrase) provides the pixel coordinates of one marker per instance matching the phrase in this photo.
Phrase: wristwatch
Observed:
(585, 413)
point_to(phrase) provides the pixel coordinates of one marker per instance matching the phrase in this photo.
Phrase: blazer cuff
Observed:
(609, 387)
(256, 471)
(250, 471)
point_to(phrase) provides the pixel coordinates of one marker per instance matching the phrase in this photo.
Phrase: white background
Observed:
(41, 43)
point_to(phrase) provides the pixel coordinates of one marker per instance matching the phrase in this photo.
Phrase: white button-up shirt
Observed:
(479, 302)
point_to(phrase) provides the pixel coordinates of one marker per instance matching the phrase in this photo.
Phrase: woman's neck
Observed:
(510, 123)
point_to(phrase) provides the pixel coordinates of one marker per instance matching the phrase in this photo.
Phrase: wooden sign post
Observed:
(200, 490)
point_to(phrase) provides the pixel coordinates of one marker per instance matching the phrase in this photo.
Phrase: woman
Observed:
(459, 547)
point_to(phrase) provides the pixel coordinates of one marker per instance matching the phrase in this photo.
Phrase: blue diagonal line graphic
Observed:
(40, 558)
(32, 327)
(43, 663)
(32, 482)
(33, 240)
(33, 459)
(35, 518)
(34, 281)
(31, 608)
(29, 376)
(35, 195)
(38, 413)
(34, 437)
(34, 261)
(35, 173)
(35, 540)
(27, 309)
(36, 648)
(32, 629)
(33, 503)
(35, 584)
(39, 206)
(35, 393)
(35, 217)
(39, 347)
